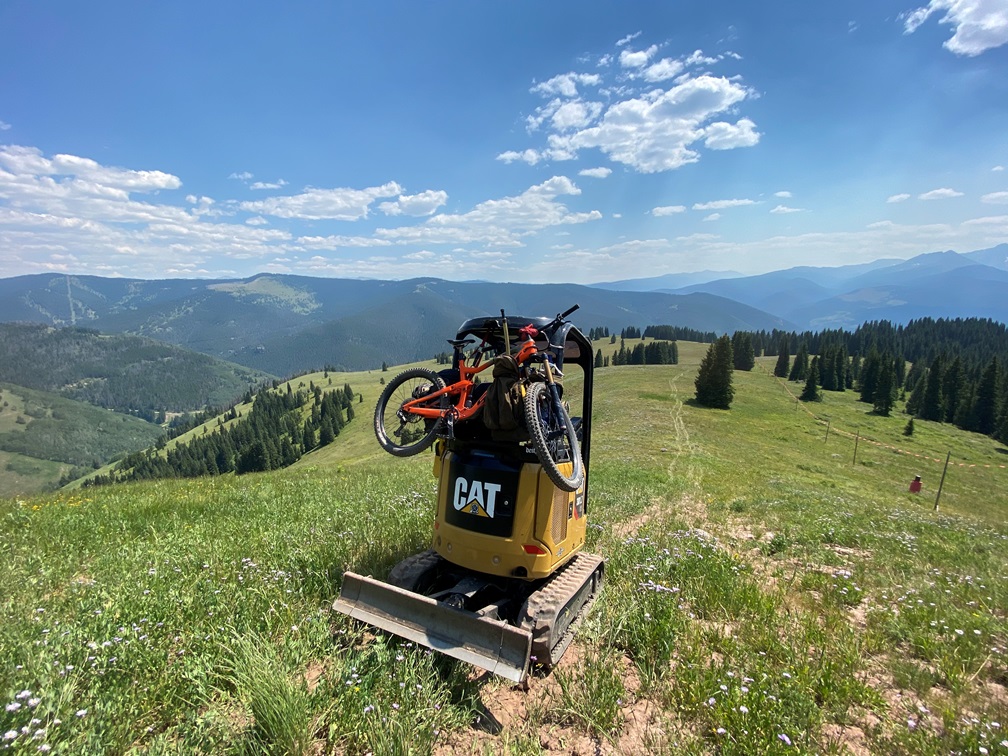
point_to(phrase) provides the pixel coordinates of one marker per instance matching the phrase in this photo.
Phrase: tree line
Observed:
(280, 427)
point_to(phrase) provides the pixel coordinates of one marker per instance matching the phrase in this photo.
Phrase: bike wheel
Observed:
(402, 433)
(553, 437)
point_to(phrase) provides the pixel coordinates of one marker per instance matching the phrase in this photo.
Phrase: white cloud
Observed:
(4, 126)
(566, 84)
(529, 156)
(243, 176)
(979, 24)
(722, 204)
(659, 212)
(654, 132)
(664, 69)
(898, 198)
(998, 168)
(416, 205)
(502, 222)
(257, 220)
(726, 136)
(321, 204)
(783, 209)
(279, 184)
(783, 194)
(601, 172)
(636, 58)
(713, 217)
(995, 198)
(575, 114)
(627, 39)
(943, 193)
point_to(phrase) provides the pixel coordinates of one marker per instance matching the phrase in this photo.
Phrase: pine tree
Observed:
(799, 368)
(985, 403)
(714, 379)
(783, 360)
(885, 389)
(951, 386)
(908, 429)
(743, 355)
(811, 391)
(869, 375)
(598, 358)
(931, 403)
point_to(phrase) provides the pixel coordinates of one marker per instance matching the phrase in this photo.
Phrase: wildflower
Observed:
(22, 695)
(13, 706)
(33, 702)
(744, 709)
(395, 706)
(81, 713)
(368, 709)
(10, 735)
(721, 730)
(45, 748)
(784, 739)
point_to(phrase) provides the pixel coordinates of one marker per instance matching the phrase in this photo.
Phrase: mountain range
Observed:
(283, 324)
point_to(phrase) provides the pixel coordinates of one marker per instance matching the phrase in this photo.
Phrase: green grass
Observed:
(765, 594)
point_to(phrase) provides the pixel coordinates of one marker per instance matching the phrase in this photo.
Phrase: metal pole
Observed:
(942, 483)
(856, 439)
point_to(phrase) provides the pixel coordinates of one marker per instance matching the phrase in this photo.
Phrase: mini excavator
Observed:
(506, 580)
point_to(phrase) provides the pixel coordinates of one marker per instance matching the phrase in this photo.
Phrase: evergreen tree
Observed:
(908, 429)
(783, 359)
(811, 391)
(885, 388)
(931, 404)
(869, 375)
(985, 403)
(743, 354)
(951, 386)
(714, 379)
(598, 358)
(799, 368)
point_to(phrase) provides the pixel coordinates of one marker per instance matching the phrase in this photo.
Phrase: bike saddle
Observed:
(461, 342)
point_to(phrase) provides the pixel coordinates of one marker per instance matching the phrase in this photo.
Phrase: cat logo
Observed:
(476, 497)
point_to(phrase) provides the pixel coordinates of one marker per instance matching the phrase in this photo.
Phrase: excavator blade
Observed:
(487, 643)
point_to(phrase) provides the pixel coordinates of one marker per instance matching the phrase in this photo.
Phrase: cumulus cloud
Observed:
(943, 193)
(979, 24)
(601, 172)
(783, 194)
(713, 217)
(243, 176)
(727, 136)
(501, 221)
(636, 58)
(279, 184)
(4, 126)
(632, 122)
(784, 209)
(566, 84)
(898, 198)
(658, 212)
(722, 204)
(416, 205)
(995, 198)
(324, 204)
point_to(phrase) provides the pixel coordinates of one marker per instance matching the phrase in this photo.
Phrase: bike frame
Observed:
(461, 388)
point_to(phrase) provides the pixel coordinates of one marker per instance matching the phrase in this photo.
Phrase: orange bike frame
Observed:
(462, 388)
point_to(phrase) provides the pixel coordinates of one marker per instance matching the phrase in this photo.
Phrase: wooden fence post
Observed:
(942, 483)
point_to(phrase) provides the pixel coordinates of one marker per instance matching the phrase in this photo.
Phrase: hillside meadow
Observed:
(767, 592)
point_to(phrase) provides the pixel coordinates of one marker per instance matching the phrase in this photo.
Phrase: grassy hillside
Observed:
(44, 436)
(124, 373)
(765, 594)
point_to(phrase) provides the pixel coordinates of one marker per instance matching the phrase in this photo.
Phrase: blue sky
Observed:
(520, 141)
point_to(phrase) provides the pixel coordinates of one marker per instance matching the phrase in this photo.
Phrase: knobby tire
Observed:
(391, 429)
(553, 437)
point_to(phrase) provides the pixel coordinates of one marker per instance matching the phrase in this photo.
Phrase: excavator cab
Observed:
(506, 580)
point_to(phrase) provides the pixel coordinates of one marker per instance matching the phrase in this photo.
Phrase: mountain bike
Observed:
(417, 407)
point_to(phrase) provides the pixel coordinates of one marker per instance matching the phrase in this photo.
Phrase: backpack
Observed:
(503, 413)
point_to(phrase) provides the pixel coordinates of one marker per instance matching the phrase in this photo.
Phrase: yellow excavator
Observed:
(506, 580)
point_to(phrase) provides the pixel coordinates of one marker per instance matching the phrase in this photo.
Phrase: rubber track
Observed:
(409, 571)
(544, 606)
